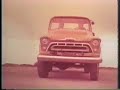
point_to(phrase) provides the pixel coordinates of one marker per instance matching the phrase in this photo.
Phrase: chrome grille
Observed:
(70, 47)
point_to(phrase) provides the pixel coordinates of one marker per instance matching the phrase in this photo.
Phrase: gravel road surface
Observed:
(21, 77)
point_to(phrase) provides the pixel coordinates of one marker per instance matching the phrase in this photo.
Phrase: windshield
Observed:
(69, 24)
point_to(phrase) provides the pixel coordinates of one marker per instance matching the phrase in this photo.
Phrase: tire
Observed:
(94, 71)
(43, 69)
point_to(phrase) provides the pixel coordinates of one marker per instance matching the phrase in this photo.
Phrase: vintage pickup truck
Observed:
(70, 43)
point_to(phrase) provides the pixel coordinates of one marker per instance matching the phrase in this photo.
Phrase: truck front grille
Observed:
(70, 47)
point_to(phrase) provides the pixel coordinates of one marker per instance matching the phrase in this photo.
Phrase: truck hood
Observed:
(77, 35)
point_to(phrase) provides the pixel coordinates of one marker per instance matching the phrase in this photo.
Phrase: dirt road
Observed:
(27, 78)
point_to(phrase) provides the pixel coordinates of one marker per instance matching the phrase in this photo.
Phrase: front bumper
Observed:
(69, 59)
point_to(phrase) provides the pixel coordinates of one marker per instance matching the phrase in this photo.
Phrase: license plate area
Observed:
(72, 54)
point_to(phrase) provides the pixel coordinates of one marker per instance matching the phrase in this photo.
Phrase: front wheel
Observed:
(94, 71)
(43, 69)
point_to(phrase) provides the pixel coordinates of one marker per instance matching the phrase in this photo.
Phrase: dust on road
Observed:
(21, 77)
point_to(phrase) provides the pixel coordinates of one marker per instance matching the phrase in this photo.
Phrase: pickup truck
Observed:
(70, 42)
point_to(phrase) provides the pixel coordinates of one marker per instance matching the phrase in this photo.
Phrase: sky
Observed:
(25, 21)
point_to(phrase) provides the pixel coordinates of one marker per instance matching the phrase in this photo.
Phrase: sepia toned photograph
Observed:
(59, 44)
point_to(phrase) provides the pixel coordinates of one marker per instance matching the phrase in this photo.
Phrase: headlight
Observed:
(44, 40)
(95, 42)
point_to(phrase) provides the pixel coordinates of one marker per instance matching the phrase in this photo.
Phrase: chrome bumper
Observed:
(69, 59)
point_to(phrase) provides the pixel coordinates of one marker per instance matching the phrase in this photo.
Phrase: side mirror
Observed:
(92, 23)
(93, 34)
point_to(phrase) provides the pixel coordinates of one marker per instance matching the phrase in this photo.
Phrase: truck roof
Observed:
(76, 17)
